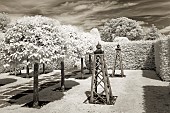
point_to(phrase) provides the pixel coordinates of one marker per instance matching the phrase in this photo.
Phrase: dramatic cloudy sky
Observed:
(92, 13)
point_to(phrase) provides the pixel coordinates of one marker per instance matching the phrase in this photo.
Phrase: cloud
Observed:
(81, 7)
(82, 13)
(129, 4)
(165, 30)
(90, 13)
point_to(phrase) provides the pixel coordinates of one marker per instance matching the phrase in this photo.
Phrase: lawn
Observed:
(140, 91)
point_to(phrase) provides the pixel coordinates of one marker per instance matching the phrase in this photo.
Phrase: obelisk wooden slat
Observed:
(118, 61)
(100, 83)
(90, 66)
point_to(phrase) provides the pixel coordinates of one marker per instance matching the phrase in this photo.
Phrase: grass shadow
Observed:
(77, 75)
(47, 93)
(31, 74)
(117, 75)
(156, 99)
(150, 74)
(7, 81)
(99, 100)
(69, 84)
(46, 71)
(24, 75)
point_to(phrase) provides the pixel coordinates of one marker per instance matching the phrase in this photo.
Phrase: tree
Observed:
(4, 21)
(41, 40)
(122, 27)
(30, 39)
(76, 42)
(153, 33)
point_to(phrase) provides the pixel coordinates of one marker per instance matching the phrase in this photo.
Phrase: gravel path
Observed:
(138, 92)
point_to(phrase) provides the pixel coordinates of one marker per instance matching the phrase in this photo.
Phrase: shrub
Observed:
(121, 39)
(136, 54)
(162, 58)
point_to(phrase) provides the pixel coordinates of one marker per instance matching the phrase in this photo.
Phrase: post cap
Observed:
(118, 47)
(99, 50)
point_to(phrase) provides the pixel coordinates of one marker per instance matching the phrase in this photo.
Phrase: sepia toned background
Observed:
(92, 13)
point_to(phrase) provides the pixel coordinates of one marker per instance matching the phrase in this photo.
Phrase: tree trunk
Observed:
(35, 92)
(43, 68)
(20, 72)
(62, 76)
(90, 66)
(82, 68)
(27, 69)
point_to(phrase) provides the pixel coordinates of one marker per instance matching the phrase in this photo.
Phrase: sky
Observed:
(93, 13)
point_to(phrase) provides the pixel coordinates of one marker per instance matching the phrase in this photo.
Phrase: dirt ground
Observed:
(141, 91)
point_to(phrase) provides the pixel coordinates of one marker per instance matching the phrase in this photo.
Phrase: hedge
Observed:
(162, 58)
(135, 54)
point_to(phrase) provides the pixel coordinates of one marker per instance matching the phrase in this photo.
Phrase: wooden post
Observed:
(96, 77)
(82, 72)
(35, 92)
(20, 72)
(62, 76)
(121, 66)
(27, 68)
(92, 82)
(43, 68)
(90, 66)
(105, 79)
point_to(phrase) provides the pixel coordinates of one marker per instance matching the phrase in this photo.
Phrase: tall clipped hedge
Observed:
(162, 58)
(136, 54)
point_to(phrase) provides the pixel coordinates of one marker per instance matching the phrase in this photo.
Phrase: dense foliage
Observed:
(44, 40)
(135, 54)
(4, 21)
(162, 58)
(122, 27)
(76, 42)
(153, 33)
(32, 38)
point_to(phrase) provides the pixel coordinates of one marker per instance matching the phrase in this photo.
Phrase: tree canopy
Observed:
(43, 40)
(153, 33)
(4, 21)
(122, 27)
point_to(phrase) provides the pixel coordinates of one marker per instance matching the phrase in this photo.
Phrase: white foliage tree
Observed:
(44, 40)
(122, 27)
(77, 42)
(153, 33)
(31, 38)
